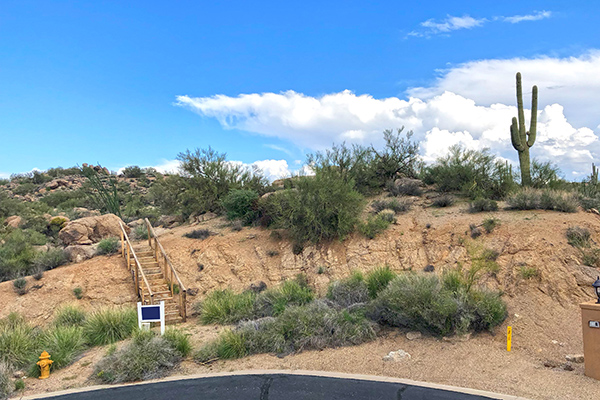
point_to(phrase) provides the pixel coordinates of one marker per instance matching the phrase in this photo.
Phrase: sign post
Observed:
(152, 313)
(509, 338)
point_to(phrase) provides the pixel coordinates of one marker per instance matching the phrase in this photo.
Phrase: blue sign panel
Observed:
(150, 313)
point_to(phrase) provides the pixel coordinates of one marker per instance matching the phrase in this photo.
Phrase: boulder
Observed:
(413, 335)
(168, 220)
(14, 221)
(136, 223)
(79, 253)
(82, 212)
(90, 230)
(575, 358)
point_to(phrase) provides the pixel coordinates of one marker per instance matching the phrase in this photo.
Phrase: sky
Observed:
(136, 82)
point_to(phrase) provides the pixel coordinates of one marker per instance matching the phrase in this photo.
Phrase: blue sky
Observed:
(134, 83)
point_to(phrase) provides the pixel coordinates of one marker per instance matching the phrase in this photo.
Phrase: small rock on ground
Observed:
(397, 356)
(575, 358)
(413, 335)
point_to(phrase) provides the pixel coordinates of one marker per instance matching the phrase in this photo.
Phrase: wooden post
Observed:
(149, 237)
(182, 309)
(137, 279)
(122, 243)
(128, 258)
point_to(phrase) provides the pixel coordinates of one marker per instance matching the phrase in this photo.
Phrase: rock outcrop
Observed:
(91, 230)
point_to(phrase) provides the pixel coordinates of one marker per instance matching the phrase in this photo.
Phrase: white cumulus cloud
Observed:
(471, 104)
(515, 19)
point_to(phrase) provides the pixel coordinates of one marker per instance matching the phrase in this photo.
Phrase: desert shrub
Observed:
(78, 293)
(109, 325)
(424, 303)
(322, 207)
(373, 226)
(349, 291)
(140, 232)
(63, 343)
(241, 205)
(578, 236)
(528, 272)
(65, 199)
(378, 279)
(546, 199)
(396, 205)
(25, 188)
(367, 168)
(16, 255)
(226, 307)
(444, 201)
(405, 186)
(179, 341)
(481, 205)
(69, 316)
(50, 259)
(19, 384)
(101, 190)
(475, 231)
(275, 300)
(388, 216)
(108, 246)
(312, 326)
(544, 174)
(237, 226)
(6, 385)
(198, 234)
(19, 285)
(132, 171)
(587, 203)
(146, 356)
(489, 224)
(209, 177)
(474, 173)
(590, 257)
(18, 341)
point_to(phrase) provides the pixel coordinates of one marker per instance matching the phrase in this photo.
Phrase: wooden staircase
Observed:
(154, 276)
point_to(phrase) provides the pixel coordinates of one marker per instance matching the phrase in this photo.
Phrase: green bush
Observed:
(396, 205)
(69, 316)
(481, 205)
(349, 291)
(322, 207)
(16, 255)
(378, 279)
(578, 236)
(590, 257)
(6, 385)
(50, 259)
(444, 201)
(312, 326)
(472, 172)
(226, 307)
(424, 303)
(179, 341)
(63, 343)
(140, 232)
(78, 293)
(241, 205)
(19, 284)
(274, 301)
(108, 246)
(145, 357)
(65, 199)
(373, 226)
(529, 272)
(132, 171)
(18, 341)
(546, 199)
(109, 325)
(19, 384)
(367, 168)
(489, 224)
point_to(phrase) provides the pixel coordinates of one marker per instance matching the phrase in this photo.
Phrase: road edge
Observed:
(325, 374)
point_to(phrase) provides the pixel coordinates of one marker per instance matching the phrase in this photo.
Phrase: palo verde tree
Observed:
(521, 139)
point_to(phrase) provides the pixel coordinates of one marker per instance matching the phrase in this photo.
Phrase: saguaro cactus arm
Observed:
(514, 135)
(533, 126)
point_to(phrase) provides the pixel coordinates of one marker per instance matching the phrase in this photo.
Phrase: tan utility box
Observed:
(590, 316)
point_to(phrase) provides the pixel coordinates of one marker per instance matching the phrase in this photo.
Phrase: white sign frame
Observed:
(161, 319)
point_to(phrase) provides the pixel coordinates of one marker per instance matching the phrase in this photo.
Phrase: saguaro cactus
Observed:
(521, 139)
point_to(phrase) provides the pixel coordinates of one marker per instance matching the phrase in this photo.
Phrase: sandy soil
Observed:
(543, 312)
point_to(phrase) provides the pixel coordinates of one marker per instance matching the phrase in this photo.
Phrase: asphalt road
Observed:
(270, 387)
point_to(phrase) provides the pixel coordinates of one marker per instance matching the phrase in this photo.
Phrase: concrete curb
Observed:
(287, 372)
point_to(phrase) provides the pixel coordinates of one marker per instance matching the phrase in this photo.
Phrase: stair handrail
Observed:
(158, 246)
(139, 270)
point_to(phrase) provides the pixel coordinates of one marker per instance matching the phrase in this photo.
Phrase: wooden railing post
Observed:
(122, 245)
(149, 235)
(182, 310)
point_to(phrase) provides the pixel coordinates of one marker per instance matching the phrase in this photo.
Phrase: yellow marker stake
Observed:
(508, 338)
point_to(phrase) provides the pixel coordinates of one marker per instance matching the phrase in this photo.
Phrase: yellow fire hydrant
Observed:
(45, 363)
